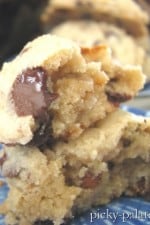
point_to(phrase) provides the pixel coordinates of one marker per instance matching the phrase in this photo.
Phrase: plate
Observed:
(124, 211)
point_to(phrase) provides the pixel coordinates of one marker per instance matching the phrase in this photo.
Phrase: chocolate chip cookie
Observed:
(107, 160)
(127, 14)
(54, 90)
(123, 46)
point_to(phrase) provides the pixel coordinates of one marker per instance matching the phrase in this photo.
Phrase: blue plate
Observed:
(132, 211)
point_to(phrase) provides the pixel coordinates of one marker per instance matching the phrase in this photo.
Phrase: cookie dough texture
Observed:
(123, 46)
(107, 160)
(54, 89)
(127, 14)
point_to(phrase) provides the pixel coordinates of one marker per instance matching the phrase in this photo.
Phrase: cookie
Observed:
(107, 160)
(123, 46)
(121, 13)
(54, 90)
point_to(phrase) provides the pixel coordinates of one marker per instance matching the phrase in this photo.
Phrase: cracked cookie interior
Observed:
(54, 90)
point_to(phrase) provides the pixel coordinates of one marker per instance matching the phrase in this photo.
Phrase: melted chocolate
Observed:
(30, 94)
(3, 159)
(31, 97)
(117, 97)
(43, 135)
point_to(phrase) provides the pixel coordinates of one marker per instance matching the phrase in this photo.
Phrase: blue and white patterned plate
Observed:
(124, 211)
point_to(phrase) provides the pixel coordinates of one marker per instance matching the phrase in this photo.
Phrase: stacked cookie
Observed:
(67, 145)
(121, 24)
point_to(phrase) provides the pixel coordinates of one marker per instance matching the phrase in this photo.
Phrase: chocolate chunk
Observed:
(43, 135)
(30, 93)
(126, 142)
(141, 188)
(3, 159)
(141, 185)
(117, 97)
(111, 165)
(90, 181)
(31, 97)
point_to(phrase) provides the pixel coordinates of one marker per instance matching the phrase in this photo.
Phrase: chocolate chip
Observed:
(31, 97)
(43, 135)
(90, 181)
(117, 97)
(126, 142)
(141, 185)
(141, 188)
(3, 159)
(30, 93)
(113, 80)
(111, 165)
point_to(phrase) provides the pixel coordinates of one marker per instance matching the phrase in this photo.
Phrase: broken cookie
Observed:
(109, 159)
(53, 90)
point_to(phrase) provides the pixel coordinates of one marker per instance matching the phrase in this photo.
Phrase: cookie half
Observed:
(106, 161)
(54, 90)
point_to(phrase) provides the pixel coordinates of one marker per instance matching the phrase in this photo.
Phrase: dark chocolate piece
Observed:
(90, 181)
(3, 159)
(43, 135)
(111, 165)
(30, 93)
(31, 97)
(117, 97)
(141, 185)
(126, 142)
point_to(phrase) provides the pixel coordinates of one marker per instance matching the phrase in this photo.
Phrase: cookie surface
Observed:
(123, 46)
(113, 11)
(53, 90)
